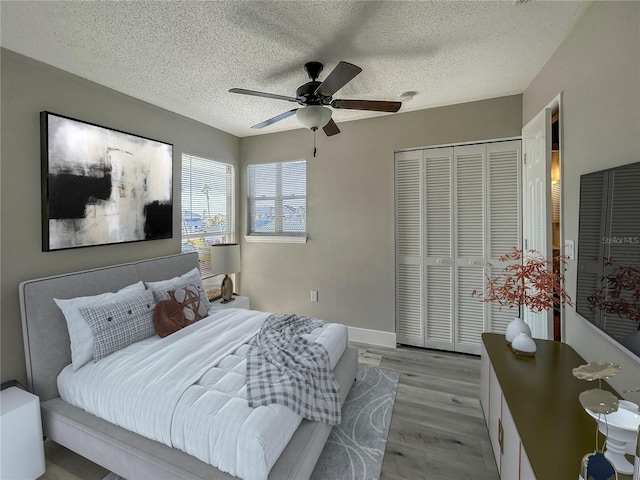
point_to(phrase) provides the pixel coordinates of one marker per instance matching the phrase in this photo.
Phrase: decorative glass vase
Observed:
(516, 327)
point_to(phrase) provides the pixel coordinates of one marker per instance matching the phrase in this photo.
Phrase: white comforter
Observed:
(188, 391)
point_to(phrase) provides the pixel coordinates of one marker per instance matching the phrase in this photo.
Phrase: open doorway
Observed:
(555, 210)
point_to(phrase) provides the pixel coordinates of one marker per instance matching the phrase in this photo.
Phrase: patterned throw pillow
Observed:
(79, 331)
(192, 306)
(118, 325)
(192, 277)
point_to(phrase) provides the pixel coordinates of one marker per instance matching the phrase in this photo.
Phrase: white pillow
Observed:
(82, 344)
(192, 277)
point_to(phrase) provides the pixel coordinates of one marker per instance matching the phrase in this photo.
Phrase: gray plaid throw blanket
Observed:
(285, 368)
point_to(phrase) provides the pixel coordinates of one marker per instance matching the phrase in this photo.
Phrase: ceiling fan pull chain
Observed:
(314, 142)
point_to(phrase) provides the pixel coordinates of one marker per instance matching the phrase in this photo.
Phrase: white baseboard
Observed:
(372, 337)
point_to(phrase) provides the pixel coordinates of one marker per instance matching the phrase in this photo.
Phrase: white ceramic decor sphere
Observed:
(523, 344)
(516, 327)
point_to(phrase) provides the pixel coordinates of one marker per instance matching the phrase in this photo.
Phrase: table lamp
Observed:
(225, 259)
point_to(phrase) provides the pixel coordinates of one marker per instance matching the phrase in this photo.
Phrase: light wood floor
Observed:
(437, 428)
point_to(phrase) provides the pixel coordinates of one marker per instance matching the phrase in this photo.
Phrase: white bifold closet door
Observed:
(438, 248)
(457, 208)
(409, 243)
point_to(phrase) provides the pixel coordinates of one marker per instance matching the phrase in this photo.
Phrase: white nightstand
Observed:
(22, 447)
(239, 302)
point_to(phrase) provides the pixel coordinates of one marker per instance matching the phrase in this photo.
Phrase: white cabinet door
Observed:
(495, 422)
(526, 471)
(510, 468)
(511, 458)
(485, 378)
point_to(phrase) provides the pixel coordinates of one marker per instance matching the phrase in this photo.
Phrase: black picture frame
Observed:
(102, 186)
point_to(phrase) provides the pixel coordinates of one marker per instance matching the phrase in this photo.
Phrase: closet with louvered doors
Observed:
(457, 209)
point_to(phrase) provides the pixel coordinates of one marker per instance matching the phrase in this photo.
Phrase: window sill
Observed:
(274, 239)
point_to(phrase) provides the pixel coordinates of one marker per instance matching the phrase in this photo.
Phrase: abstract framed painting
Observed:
(102, 186)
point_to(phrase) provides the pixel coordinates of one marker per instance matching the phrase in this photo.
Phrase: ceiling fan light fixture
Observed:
(314, 116)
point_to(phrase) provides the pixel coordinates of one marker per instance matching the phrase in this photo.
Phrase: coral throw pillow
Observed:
(168, 318)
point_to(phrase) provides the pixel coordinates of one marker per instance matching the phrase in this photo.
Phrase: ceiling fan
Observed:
(314, 96)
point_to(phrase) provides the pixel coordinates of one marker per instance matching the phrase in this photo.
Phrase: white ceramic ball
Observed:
(523, 344)
(516, 327)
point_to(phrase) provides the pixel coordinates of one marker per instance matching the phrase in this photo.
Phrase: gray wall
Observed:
(27, 88)
(349, 257)
(597, 69)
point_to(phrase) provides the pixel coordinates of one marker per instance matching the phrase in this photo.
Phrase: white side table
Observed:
(22, 447)
(239, 302)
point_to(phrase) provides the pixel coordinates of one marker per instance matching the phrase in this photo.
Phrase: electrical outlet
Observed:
(314, 296)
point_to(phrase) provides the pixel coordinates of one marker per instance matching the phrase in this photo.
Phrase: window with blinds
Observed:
(207, 206)
(277, 195)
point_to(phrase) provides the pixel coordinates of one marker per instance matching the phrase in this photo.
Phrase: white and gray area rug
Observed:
(355, 448)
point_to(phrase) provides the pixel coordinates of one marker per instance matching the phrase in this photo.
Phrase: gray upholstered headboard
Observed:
(45, 334)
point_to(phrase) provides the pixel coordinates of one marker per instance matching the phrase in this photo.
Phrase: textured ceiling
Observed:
(185, 55)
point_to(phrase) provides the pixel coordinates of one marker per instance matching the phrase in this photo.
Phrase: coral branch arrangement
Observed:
(528, 281)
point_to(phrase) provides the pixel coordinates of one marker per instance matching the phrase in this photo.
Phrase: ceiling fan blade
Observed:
(331, 128)
(338, 78)
(263, 94)
(275, 119)
(374, 105)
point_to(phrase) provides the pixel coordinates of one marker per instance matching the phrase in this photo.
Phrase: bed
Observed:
(129, 454)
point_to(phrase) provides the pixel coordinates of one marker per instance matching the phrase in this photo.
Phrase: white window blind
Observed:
(278, 198)
(207, 206)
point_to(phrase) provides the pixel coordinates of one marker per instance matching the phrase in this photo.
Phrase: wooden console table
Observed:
(538, 428)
